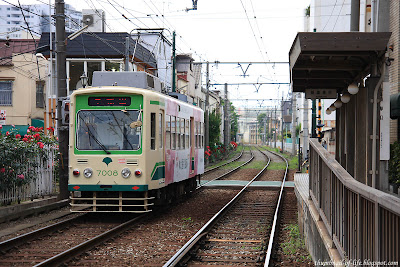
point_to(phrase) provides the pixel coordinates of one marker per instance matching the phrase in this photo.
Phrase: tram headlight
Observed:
(88, 172)
(126, 173)
(76, 172)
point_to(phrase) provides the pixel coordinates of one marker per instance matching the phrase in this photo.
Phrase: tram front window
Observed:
(107, 130)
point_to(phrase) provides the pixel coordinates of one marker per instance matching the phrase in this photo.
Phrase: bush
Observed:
(20, 155)
(394, 163)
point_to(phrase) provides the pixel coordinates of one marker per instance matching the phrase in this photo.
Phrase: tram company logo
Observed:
(107, 160)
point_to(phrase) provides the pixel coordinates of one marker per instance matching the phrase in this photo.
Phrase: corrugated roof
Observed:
(15, 46)
(102, 45)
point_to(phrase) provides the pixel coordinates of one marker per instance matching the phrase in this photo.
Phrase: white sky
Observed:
(219, 30)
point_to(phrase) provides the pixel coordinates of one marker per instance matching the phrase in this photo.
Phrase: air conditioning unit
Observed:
(95, 19)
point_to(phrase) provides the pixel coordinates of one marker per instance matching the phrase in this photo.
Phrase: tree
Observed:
(261, 123)
(234, 122)
(214, 124)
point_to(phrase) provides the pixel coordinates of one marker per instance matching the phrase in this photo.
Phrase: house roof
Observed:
(322, 60)
(8, 48)
(103, 45)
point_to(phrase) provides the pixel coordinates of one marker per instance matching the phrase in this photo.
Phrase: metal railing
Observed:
(43, 185)
(363, 222)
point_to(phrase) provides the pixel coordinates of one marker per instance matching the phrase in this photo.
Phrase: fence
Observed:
(44, 184)
(363, 222)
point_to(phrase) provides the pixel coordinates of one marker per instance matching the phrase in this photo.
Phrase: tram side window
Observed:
(152, 131)
(168, 132)
(202, 134)
(183, 133)
(178, 131)
(173, 131)
(196, 134)
(187, 132)
(161, 129)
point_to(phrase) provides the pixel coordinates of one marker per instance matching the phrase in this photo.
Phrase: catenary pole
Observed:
(207, 108)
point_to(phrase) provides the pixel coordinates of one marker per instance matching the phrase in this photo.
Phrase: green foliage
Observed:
(298, 129)
(214, 123)
(234, 122)
(19, 156)
(394, 163)
(294, 243)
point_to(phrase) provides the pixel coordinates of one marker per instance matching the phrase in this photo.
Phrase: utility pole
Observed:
(294, 138)
(265, 130)
(62, 131)
(305, 129)
(314, 119)
(127, 53)
(173, 63)
(226, 125)
(276, 125)
(282, 124)
(355, 16)
(207, 109)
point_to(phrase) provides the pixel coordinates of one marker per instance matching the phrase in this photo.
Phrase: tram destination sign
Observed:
(321, 94)
(109, 101)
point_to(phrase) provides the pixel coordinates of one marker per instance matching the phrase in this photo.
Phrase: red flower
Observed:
(1, 126)
(21, 176)
(17, 136)
(51, 129)
(40, 144)
(3, 170)
(7, 133)
(25, 139)
(36, 136)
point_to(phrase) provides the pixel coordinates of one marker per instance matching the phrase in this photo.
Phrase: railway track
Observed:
(58, 243)
(223, 173)
(59, 246)
(241, 233)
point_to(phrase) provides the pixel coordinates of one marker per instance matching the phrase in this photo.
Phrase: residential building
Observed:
(22, 84)
(35, 19)
(161, 48)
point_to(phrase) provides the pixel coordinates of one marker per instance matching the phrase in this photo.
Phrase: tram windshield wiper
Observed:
(96, 140)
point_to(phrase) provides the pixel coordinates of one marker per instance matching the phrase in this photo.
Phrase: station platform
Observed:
(236, 184)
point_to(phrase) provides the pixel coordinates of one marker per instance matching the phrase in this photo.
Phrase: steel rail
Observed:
(232, 160)
(229, 172)
(22, 239)
(174, 260)
(274, 224)
(89, 244)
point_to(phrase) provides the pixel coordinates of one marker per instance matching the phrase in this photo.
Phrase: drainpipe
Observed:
(374, 123)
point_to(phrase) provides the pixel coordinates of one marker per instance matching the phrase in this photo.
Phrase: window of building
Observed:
(76, 70)
(91, 67)
(152, 131)
(40, 94)
(6, 93)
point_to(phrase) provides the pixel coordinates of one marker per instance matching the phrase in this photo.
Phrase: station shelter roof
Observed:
(333, 60)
